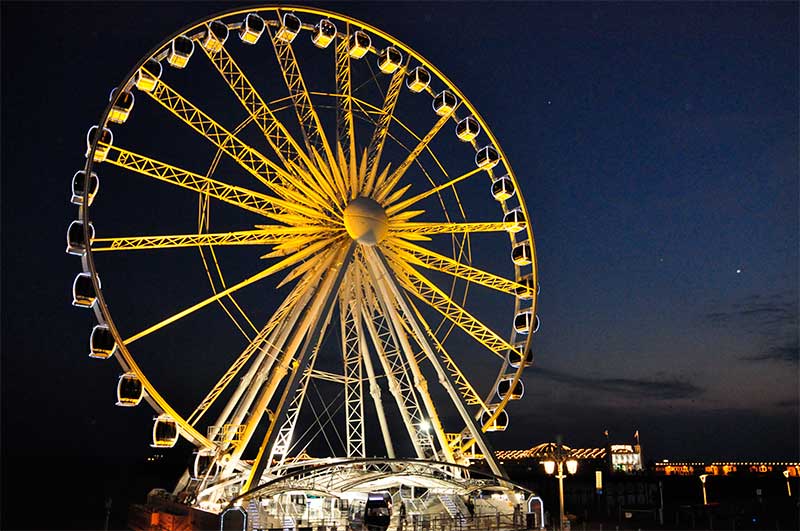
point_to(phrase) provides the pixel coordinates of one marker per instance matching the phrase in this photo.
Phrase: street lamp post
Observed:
(556, 456)
(788, 486)
(703, 478)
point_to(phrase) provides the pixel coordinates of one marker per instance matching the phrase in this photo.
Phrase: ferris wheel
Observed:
(326, 197)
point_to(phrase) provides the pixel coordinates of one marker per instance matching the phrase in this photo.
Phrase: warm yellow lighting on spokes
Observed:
(549, 466)
(572, 466)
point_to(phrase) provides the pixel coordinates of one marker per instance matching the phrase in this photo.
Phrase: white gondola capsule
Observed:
(205, 466)
(129, 390)
(359, 44)
(83, 294)
(180, 51)
(289, 28)
(487, 157)
(514, 220)
(103, 145)
(503, 188)
(165, 432)
(101, 343)
(418, 80)
(252, 28)
(504, 386)
(78, 184)
(526, 323)
(515, 356)
(324, 33)
(525, 289)
(75, 243)
(389, 60)
(148, 75)
(521, 253)
(467, 129)
(498, 424)
(215, 37)
(122, 107)
(444, 102)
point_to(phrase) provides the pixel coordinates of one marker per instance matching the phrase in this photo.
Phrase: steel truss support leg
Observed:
(313, 321)
(383, 286)
(283, 442)
(400, 385)
(385, 279)
(353, 389)
(374, 388)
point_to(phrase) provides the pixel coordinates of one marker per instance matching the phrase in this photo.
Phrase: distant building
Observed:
(626, 458)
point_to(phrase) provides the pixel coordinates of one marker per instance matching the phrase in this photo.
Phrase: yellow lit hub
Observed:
(366, 221)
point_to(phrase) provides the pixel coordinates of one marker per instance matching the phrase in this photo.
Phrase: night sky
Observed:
(657, 148)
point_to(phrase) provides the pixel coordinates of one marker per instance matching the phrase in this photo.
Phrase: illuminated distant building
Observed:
(626, 458)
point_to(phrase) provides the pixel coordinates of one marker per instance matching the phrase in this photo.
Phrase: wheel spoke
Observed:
(426, 291)
(306, 114)
(255, 278)
(255, 163)
(255, 345)
(471, 396)
(414, 254)
(384, 188)
(282, 143)
(236, 195)
(345, 134)
(265, 236)
(381, 129)
(419, 197)
(405, 230)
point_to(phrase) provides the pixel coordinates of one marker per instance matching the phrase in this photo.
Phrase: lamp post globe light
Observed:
(788, 486)
(556, 456)
(703, 478)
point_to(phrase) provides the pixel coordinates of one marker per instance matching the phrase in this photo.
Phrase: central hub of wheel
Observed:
(366, 221)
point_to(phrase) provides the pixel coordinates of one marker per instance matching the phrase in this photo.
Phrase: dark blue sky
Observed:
(657, 148)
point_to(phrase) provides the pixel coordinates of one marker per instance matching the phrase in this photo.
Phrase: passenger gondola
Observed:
(75, 243)
(324, 33)
(526, 323)
(215, 37)
(525, 290)
(359, 44)
(504, 386)
(372, 514)
(289, 28)
(418, 80)
(83, 294)
(180, 51)
(148, 75)
(487, 157)
(498, 424)
(78, 184)
(515, 357)
(521, 253)
(103, 144)
(101, 343)
(389, 60)
(129, 390)
(503, 188)
(122, 106)
(165, 432)
(444, 103)
(467, 129)
(252, 28)
(514, 220)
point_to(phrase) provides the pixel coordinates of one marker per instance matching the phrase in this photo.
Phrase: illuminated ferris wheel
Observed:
(344, 208)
